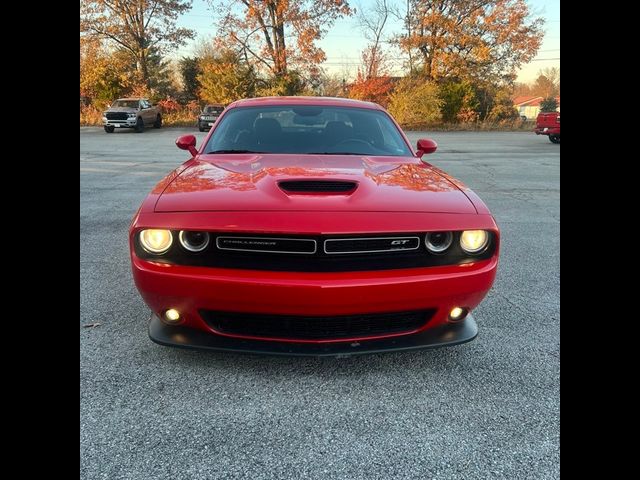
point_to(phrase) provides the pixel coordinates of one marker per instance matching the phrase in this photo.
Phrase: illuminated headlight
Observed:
(194, 241)
(438, 242)
(474, 241)
(156, 241)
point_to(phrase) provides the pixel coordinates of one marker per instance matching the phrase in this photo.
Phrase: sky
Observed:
(344, 42)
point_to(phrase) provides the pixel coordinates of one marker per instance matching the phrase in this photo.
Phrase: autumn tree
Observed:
(278, 35)
(332, 85)
(372, 80)
(141, 28)
(521, 89)
(103, 73)
(502, 108)
(547, 84)
(225, 78)
(481, 39)
(372, 22)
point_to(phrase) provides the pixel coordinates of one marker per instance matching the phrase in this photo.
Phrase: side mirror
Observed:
(426, 145)
(187, 142)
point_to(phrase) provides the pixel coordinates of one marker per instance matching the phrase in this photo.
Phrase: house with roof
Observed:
(529, 105)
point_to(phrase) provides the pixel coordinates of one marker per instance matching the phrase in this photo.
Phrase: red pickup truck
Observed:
(548, 123)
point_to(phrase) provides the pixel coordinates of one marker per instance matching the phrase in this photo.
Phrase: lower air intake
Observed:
(315, 328)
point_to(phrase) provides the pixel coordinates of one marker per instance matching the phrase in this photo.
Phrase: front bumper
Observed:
(445, 335)
(206, 123)
(128, 123)
(191, 289)
(547, 131)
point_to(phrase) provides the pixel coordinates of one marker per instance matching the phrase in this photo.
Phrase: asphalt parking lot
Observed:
(486, 409)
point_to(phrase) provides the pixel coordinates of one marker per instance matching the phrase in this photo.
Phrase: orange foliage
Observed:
(413, 177)
(372, 82)
(265, 27)
(169, 105)
(374, 89)
(478, 38)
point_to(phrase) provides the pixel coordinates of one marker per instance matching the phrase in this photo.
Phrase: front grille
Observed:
(294, 327)
(267, 244)
(370, 245)
(330, 253)
(117, 115)
(317, 186)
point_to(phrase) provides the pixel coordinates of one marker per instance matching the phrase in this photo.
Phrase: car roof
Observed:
(131, 98)
(317, 101)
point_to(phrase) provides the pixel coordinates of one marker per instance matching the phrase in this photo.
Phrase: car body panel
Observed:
(548, 123)
(215, 182)
(190, 289)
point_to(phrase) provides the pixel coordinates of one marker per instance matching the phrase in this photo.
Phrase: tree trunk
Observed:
(143, 68)
(279, 46)
(408, 20)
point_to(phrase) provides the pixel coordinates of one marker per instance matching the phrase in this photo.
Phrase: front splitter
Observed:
(183, 337)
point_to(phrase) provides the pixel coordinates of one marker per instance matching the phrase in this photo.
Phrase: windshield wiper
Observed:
(232, 151)
(337, 153)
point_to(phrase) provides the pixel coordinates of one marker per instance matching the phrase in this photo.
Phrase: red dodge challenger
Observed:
(309, 226)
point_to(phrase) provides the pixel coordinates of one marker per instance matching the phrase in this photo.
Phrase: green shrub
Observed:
(415, 103)
(459, 102)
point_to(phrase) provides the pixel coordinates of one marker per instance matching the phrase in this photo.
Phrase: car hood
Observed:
(122, 109)
(252, 182)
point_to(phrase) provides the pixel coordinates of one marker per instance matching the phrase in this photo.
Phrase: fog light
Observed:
(458, 313)
(172, 315)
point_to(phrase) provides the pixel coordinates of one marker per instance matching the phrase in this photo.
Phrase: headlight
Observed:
(156, 241)
(132, 114)
(438, 242)
(194, 241)
(473, 241)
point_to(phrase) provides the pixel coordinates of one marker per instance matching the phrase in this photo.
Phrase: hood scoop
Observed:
(321, 187)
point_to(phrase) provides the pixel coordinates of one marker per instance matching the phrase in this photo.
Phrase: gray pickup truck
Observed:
(133, 113)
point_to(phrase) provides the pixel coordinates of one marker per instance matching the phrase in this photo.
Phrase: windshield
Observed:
(307, 129)
(125, 103)
(211, 109)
